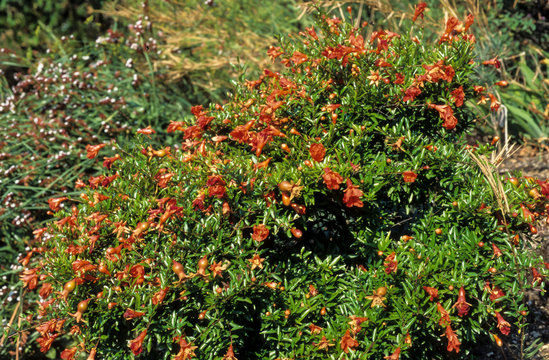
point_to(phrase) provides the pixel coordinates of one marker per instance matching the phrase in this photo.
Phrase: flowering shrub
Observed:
(332, 210)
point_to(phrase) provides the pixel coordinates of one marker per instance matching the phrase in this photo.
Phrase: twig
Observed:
(10, 322)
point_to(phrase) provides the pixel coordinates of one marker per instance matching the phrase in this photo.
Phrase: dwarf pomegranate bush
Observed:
(329, 211)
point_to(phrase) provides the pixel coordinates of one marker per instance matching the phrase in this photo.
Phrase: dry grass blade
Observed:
(492, 177)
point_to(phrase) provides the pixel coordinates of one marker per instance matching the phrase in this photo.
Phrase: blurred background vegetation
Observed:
(89, 72)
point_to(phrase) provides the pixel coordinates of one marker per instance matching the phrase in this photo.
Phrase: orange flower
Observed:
(146, 131)
(55, 203)
(298, 58)
(256, 261)
(374, 78)
(461, 304)
(352, 195)
(494, 62)
(68, 354)
(395, 355)
(315, 329)
(323, 344)
(419, 10)
(45, 342)
(503, 325)
(494, 103)
(159, 296)
(332, 179)
(348, 342)
(230, 354)
(458, 96)
(409, 176)
(130, 314)
(260, 232)
(355, 323)
(92, 150)
(469, 21)
(136, 345)
(390, 263)
(432, 292)
(186, 350)
(447, 114)
(444, 316)
(317, 152)
(453, 341)
(411, 93)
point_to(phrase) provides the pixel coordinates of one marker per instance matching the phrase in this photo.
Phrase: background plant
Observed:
(331, 209)
(208, 42)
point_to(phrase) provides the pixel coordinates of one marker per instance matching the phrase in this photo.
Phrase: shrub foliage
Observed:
(331, 210)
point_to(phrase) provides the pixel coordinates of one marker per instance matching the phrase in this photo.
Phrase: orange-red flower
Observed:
(45, 342)
(216, 186)
(317, 152)
(469, 20)
(260, 232)
(146, 131)
(444, 316)
(494, 103)
(348, 342)
(390, 263)
(55, 203)
(447, 114)
(159, 296)
(503, 325)
(68, 354)
(93, 150)
(332, 179)
(493, 62)
(298, 58)
(409, 176)
(419, 10)
(130, 314)
(136, 345)
(453, 341)
(461, 304)
(432, 292)
(186, 350)
(411, 93)
(256, 261)
(395, 355)
(324, 344)
(230, 354)
(458, 96)
(352, 195)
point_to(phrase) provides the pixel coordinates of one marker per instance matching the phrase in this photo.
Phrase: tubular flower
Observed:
(420, 8)
(93, 150)
(444, 316)
(453, 341)
(432, 292)
(348, 342)
(503, 325)
(395, 355)
(390, 263)
(447, 114)
(136, 345)
(461, 304)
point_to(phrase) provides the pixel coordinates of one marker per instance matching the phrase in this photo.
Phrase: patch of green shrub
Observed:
(329, 210)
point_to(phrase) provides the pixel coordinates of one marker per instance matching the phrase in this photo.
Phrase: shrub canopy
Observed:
(330, 210)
